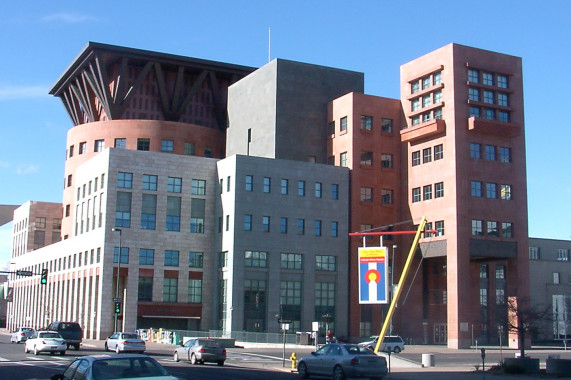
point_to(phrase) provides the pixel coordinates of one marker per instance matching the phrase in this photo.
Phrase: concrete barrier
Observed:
(428, 360)
(558, 366)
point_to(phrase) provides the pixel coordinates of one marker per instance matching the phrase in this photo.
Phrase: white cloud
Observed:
(27, 169)
(23, 92)
(4, 164)
(71, 18)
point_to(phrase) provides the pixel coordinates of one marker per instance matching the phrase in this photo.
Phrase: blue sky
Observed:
(39, 39)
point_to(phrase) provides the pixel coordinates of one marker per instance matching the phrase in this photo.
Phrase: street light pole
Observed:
(115, 229)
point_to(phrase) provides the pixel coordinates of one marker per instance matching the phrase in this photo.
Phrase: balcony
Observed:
(493, 127)
(423, 130)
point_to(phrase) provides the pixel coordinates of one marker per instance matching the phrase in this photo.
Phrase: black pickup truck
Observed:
(71, 332)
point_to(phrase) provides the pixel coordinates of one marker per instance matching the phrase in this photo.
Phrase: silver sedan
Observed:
(21, 334)
(201, 351)
(125, 342)
(340, 361)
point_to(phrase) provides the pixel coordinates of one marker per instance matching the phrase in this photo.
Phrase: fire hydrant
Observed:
(293, 359)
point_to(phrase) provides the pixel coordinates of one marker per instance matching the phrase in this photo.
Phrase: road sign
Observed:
(117, 299)
(26, 273)
(286, 321)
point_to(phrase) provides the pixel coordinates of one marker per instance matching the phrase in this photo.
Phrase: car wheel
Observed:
(26, 349)
(338, 373)
(175, 356)
(117, 350)
(302, 370)
(396, 350)
(106, 348)
(193, 360)
(62, 353)
(52, 352)
(220, 363)
(76, 346)
(36, 352)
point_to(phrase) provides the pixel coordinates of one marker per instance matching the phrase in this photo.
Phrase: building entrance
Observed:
(440, 333)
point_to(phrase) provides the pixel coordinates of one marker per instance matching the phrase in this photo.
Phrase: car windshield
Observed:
(49, 335)
(129, 336)
(127, 368)
(27, 329)
(211, 343)
(353, 349)
(69, 326)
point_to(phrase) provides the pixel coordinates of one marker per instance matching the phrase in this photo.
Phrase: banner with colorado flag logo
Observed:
(373, 279)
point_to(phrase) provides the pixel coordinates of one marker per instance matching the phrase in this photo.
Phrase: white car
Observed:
(45, 341)
(124, 341)
(21, 334)
(392, 343)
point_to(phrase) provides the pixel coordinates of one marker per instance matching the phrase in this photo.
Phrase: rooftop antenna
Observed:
(269, 43)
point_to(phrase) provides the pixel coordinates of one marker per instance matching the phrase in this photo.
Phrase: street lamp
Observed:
(115, 229)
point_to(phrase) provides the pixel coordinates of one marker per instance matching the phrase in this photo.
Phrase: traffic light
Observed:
(117, 307)
(44, 279)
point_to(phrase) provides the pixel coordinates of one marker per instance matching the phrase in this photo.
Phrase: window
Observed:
(149, 182)
(439, 227)
(40, 222)
(556, 278)
(124, 255)
(476, 188)
(318, 189)
(437, 96)
(416, 158)
(290, 293)
(439, 190)
(386, 160)
(503, 99)
(474, 94)
(331, 128)
(195, 259)
(491, 190)
(416, 194)
(317, 225)
(425, 117)
(301, 226)
(326, 263)
(489, 113)
(387, 197)
(198, 187)
(427, 192)
(473, 75)
(506, 192)
(249, 183)
(474, 111)
(207, 151)
(490, 153)
(436, 78)
(267, 184)
(170, 290)
(120, 143)
(475, 150)
(145, 289)
(148, 211)
(283, 225)
(301, 188)
(493, 229)
(477, 228)
(414, 87)
(534, 253)
(167, 146)
(334, 191)
(416, 120)
(386, 125)
(367, 122)
(123, 210)
(98, 145)
(505, 154)
(488, 78)
(507, 230)
(426, 155)
(189, 149)
(415, 104)
(367, 158)
(366, 194)
(291, 261)
(343, 124)
(82, 147)
(284, 186)
(266, 223)
(228, 182)
(247, 222)
(504, 116)
(174, 185)
(425, 82)
(171, 258)
(194, 291)
(343, 159)
(334, 229)
(562, 254)
(488, 97)
(173, 214)
(425, 101)
(143, 144)
(438, 113)
(502, 81)
(255, 259)
(438, 152)
(125, 180)
(197, 214)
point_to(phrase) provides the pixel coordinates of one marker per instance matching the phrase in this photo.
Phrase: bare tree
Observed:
(522, 317)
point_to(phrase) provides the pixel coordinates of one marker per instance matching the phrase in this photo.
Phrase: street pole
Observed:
(392, 283)
(115, 229)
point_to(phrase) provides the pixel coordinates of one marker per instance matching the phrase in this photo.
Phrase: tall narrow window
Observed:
(197, 214)
(249, 183)
(173, 214)
(367, 122)
(343, 124)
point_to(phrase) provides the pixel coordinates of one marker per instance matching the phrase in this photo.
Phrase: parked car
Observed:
(394, 343)
(201, 351)
(21, 334)
(341, 361)
(124, 341)
(45, 341)
(70, 331)
(102, 367)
